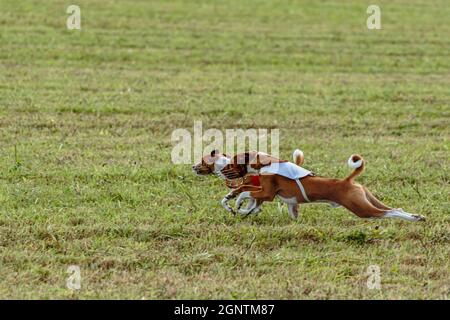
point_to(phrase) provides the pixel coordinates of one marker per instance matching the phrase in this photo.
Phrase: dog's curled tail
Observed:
(356, 162)
(298, 157)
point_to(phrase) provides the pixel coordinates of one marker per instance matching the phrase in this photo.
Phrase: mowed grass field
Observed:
(86, 119)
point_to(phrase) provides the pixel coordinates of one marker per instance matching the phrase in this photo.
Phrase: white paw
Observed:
(248, 210)
(418, 217)
(225, 204)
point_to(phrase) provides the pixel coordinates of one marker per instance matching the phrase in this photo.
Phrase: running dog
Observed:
(296, 185)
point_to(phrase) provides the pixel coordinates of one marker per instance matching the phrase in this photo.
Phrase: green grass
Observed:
(85, 125)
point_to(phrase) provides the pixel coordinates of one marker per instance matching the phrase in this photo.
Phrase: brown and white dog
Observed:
(310, 188)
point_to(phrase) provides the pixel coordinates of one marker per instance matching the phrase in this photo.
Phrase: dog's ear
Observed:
(214, 153)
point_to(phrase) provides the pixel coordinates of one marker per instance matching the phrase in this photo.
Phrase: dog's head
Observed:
(211, 163)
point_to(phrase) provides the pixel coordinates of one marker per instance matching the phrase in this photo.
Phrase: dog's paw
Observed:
(418, 217)
(245, 212)
(227, 207)
(250, 210)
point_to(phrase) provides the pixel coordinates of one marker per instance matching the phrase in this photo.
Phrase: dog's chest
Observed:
(292, 200)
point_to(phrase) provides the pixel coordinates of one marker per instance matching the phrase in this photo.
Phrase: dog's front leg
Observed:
(253, 207)
(245, 195)
(256, 208)
(225, 201)
(234, 193)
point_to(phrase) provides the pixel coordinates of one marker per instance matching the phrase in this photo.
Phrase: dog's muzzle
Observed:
(200, 171)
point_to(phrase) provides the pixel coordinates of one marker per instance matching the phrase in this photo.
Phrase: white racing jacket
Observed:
(286, 169)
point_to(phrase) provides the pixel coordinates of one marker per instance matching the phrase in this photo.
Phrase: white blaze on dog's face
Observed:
(211, 163)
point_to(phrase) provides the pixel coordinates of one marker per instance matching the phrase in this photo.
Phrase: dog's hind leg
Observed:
(293, 210)
(377, 203)
(392, 213)
(356, 201)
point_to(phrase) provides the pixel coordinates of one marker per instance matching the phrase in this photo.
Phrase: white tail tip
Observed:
(297, 153)
(354, 164)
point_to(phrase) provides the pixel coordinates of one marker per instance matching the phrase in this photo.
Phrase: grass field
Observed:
(86, 119)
